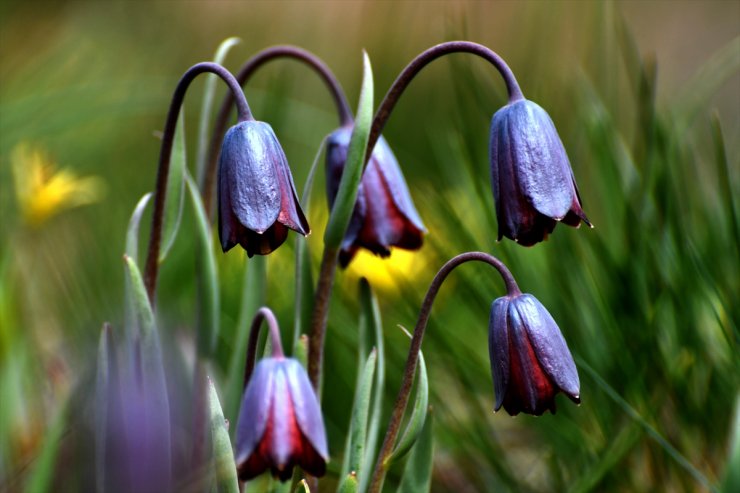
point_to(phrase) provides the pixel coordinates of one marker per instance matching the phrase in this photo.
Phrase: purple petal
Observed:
(498, 348)
(255, 409)
(549, 345)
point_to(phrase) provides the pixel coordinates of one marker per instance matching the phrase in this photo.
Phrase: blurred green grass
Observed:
(648, 299)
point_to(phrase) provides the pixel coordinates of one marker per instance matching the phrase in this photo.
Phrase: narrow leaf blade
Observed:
(175, 190)
(347, 195)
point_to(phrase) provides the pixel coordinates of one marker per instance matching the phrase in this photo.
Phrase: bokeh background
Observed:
(646, 97)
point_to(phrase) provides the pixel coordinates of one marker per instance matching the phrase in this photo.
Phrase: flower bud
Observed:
(533, 184)
(257, 201)
(384, 214)
(280, 424)
(530, 360)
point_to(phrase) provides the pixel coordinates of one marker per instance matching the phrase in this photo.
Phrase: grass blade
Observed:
(417, 475)
(223, 456)
(175, 190)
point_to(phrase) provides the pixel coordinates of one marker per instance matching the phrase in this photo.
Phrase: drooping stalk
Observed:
(421, 61)
(376, 483)
(244, 113)
(266, 315)
(329, 260)
(208, 180)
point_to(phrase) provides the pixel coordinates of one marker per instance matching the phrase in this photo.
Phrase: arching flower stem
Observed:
(376, 483)
(244, 113)
(329, 260)
(264, 314)
(245, 73)
(421, 61)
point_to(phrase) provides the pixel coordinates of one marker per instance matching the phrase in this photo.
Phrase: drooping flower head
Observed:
(533, 184)
(530, 360)
(280, 424)
(257, 201)
(384, 215)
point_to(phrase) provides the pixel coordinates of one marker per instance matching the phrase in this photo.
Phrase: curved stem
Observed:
(421, 61)
(282, 51)
(394, 425)
(263, 314)
(244, 113)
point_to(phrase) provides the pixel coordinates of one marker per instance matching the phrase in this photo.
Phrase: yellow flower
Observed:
(42, 191)
(385, 274)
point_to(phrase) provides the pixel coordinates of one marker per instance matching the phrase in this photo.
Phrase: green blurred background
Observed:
(646, 97)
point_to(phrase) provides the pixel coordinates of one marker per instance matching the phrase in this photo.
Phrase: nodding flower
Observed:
(280, 424)
(530, 360)
(533, 184)
(257, 201)
(384, 215)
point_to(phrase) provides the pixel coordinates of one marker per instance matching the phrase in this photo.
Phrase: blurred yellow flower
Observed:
(42, 191)
(385, 274)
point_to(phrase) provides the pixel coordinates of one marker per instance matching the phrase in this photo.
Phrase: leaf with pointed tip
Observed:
(418, 414)
(175, 190)
(344, 203)
(348, 484)
(417, 475)
(371, 316)
(360, 411)
(205, 110)
(208, 292)
(223, 455)
(132, 250)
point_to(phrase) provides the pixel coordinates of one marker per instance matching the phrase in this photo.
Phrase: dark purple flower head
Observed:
(280, 424)
(533, 184)
(530, 360)
(257, 201)
(384, 215)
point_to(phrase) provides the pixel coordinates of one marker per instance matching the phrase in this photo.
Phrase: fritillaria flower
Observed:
(257, 201)
(384, 215)
(533, 184)
(530, 360)
(280, 424)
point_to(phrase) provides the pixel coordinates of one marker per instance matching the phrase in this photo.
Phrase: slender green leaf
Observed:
(132, 233)
(223, 456)
(418, 414)
(42, 474)
(417, 475)
(208, 290)
(175, 190)
(132, 250)
(371, 314)
(348, 484)
(209, 93)
(347, 194)
(360, 411)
